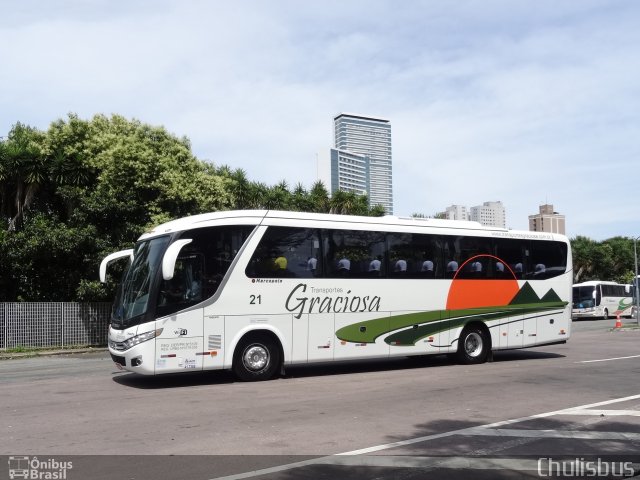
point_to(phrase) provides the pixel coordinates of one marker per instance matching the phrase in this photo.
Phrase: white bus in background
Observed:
(598, 299)
(253, 291)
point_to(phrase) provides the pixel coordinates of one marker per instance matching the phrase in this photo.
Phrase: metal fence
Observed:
(53, 324)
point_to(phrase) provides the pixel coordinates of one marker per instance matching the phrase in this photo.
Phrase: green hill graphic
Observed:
(551, 297)
(525, 295)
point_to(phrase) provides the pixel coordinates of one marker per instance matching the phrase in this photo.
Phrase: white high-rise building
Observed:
(456, 212)
(344, 170)
(369, 137)
(490, 214)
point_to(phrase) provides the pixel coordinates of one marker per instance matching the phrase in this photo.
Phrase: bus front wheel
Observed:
(473, 345)
(256, 358)
(605, 315)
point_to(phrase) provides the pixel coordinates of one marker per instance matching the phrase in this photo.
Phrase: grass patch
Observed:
(35, 350)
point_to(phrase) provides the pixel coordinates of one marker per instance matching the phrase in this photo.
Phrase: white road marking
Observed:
(606, 413)
(478, 430)
(491, 425)
(608, 359)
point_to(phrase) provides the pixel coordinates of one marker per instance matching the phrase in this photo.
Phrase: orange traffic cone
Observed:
(618, 321)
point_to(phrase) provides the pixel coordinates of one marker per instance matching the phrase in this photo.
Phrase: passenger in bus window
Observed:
(540, 270)
(427, 269)
(280, 267)
(518, 270)
(500, 270)
(400, 267)
(374, 267)
(194, 291)
(344, 267)
(452, 268)
(476, 269)
(312, 263)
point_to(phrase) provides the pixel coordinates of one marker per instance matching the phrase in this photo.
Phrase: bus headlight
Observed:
(143, 337)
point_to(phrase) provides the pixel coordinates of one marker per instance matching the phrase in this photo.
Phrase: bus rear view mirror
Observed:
(170, 257)
(110, 258)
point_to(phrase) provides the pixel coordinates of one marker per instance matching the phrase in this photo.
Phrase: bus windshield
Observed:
(132, 299)
(583, 297)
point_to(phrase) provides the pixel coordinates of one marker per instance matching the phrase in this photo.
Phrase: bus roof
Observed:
(265, 216)
(593, 283)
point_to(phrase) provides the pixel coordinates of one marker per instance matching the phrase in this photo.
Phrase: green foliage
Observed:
(610, 260)
(85, 188)
(46, 259)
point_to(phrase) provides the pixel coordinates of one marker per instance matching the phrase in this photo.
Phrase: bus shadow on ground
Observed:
(174, 380)
(220, 377)
(512, 355)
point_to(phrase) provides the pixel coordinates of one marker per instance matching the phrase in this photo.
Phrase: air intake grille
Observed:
(215, 342)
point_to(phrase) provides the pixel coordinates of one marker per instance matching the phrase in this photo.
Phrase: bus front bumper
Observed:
(135, 354)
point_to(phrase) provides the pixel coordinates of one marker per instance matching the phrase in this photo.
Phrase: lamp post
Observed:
(635, 280)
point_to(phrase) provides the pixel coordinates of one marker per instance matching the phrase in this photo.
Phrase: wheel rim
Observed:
(256, 357)
(473, 344)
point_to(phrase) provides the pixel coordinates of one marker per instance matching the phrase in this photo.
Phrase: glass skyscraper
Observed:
(371, 138)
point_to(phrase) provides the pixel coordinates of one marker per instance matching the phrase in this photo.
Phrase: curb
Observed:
(625, 328)
(47, 353)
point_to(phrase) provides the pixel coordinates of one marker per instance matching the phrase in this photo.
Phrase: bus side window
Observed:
(451, 255)
(511, 255)
(354, 254)
(473, 252)
(286, 252)
(414, 255)
(548, 259)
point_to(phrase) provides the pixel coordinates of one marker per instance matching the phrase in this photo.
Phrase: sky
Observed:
(526, 102)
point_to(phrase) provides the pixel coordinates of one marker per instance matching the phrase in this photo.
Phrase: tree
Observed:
(610, 260)
(623, 262)
(23, 170)
(301, 199)
(85, 188)
(319, 197)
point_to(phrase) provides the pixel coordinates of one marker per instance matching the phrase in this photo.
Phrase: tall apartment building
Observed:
(490, 214)
(547, 221)
(344, 170)
(456, 212)
(369, 137)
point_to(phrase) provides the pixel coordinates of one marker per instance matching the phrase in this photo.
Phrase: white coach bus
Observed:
(598, 299)
(253, 291)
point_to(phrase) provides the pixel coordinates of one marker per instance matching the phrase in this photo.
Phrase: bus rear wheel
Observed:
(473, 346)
(256, 358)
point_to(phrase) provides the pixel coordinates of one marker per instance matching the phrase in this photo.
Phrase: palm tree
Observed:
(340, 203)
(377, 211)
(278, 197)
(256, 198)
(23, 170)
(319, 198)
(300, 200)
(241, 189)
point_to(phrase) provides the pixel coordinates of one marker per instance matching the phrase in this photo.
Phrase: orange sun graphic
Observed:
(469, 293)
